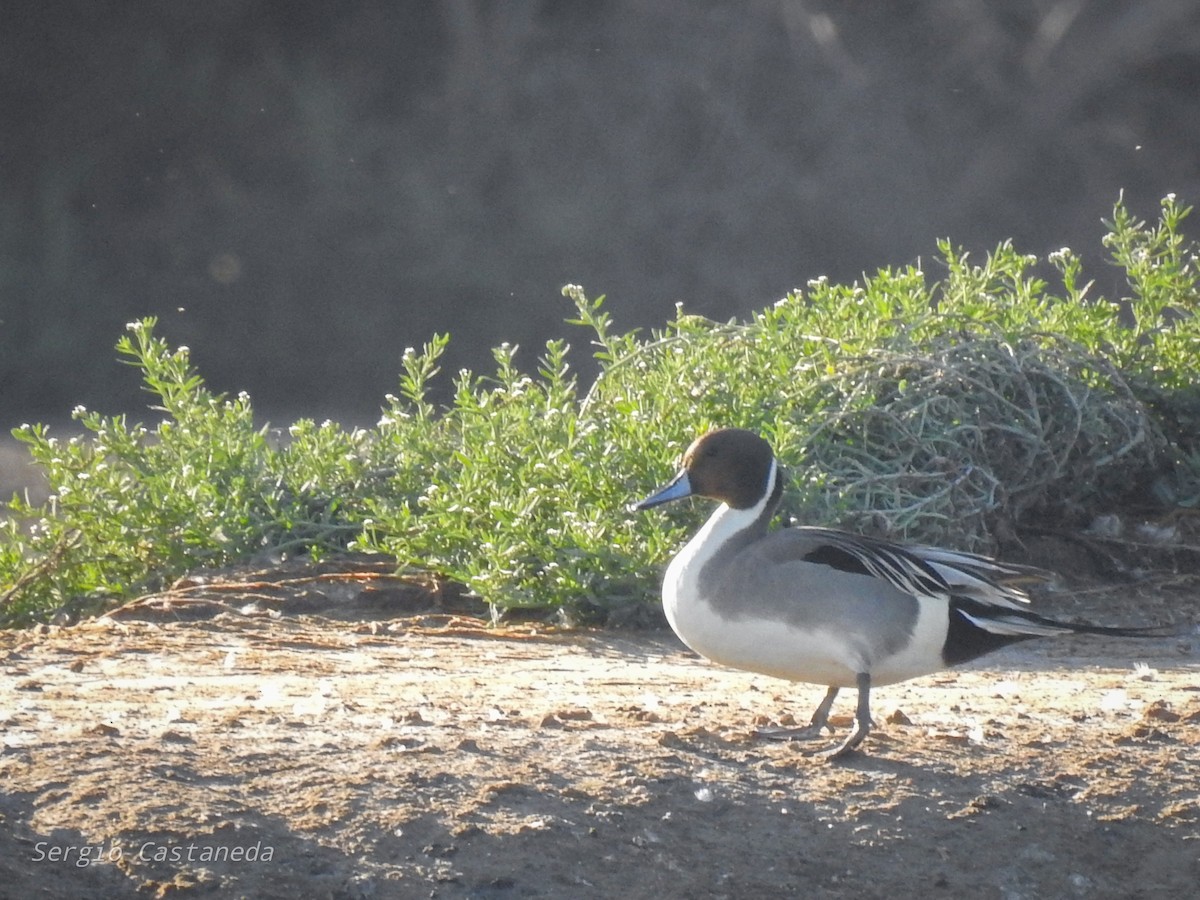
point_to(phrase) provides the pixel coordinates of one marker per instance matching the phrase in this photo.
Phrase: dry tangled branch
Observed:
(956, 441)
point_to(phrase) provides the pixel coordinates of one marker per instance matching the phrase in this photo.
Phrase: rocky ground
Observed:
(341, 735)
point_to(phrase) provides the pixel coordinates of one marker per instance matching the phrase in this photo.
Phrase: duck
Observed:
(825, 606)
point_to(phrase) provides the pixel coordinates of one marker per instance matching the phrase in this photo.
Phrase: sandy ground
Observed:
(318, 738)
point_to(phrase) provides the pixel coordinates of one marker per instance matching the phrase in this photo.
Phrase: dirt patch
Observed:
(370, 751)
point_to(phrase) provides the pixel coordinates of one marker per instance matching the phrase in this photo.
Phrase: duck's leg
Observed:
(820, 716)
(818, 722)
(862, 720)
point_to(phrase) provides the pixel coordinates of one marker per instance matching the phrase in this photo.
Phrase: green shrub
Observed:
(937, 411)
(132, 508)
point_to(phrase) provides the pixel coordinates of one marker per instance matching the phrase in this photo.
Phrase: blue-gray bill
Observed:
(678, 488)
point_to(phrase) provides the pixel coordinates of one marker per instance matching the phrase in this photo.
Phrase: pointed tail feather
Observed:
(1027, 624)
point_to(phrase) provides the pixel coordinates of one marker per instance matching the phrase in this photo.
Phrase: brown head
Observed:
(728, 464)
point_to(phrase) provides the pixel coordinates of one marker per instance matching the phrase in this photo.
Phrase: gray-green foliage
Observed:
(930, 410)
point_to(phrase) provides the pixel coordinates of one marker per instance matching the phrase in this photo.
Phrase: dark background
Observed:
(319, 185)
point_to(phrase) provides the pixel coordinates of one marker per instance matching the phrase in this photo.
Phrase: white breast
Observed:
(781, 649)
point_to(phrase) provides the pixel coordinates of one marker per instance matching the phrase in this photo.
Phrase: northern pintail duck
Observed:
(825, 606)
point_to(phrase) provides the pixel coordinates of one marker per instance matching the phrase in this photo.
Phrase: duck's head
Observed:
(729, 464)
